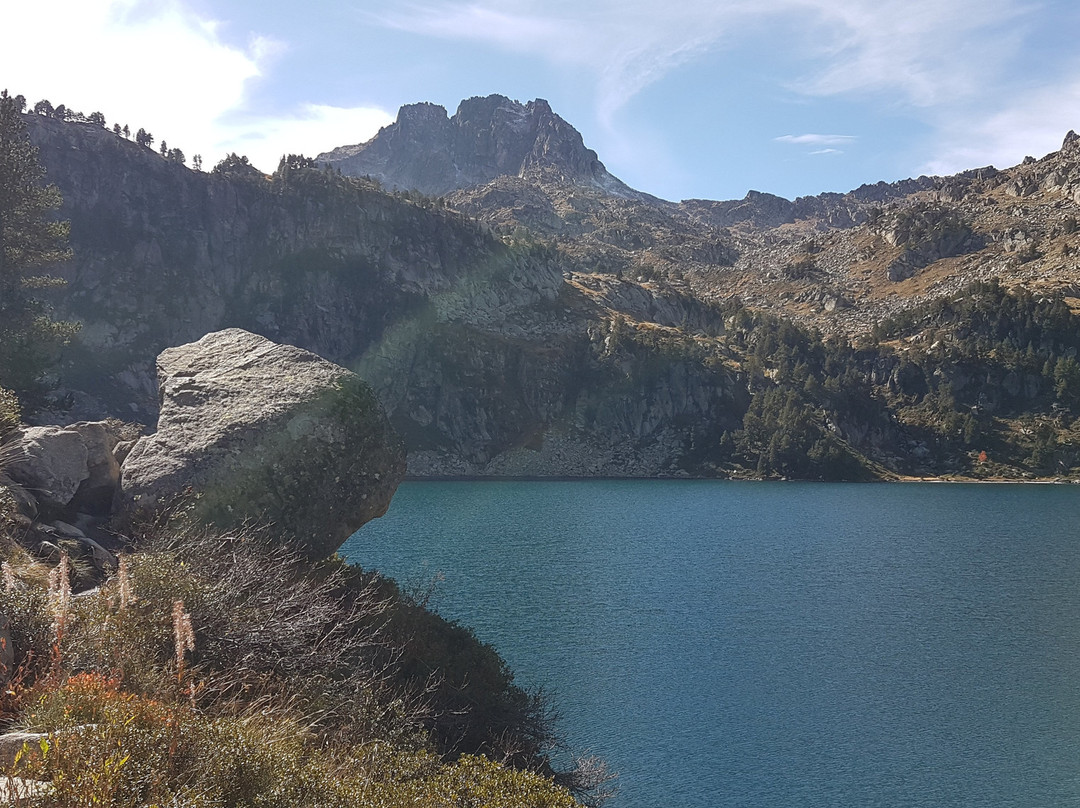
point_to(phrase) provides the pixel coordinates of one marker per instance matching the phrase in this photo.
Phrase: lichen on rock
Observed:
(253, 430)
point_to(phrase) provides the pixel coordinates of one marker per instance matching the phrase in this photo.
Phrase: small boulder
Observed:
(96, 492)
(22, 790)
(65, 468)
(50, 462)
(249, 429)
(11, 743)
(14, 499)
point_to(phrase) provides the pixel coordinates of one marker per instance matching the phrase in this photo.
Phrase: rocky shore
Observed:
(248, 430)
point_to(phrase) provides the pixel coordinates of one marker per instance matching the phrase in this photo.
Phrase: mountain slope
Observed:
(478, 348)
(627, 336)
(839, 262)
(489, 137)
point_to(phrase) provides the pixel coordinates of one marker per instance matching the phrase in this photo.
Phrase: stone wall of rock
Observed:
(253, 430)
(59, 482)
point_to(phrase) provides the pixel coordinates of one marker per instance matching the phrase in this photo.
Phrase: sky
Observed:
(681, 99)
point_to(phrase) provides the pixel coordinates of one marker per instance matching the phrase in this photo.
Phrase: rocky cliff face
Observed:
(477, 347)
(543, 321)
(165, 254)
(424, 150)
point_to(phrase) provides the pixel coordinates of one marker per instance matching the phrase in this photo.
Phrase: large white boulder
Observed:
(253, 430)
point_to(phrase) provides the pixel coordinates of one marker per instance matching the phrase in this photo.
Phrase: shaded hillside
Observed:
(165, 254)
(531, 325)
(478, 347)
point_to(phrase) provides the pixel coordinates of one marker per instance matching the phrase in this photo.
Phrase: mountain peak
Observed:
(421, 113)
(487, 137)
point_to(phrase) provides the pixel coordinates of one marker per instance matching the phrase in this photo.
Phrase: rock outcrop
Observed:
(57, 484)
(67, 469)
(51, 462)
(253, 430)
(487, 137)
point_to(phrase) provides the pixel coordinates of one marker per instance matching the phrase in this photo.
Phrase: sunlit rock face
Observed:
(253, 430)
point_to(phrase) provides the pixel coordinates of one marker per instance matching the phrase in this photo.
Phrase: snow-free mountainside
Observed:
(175, 625)
(229, 372)
(539, 318)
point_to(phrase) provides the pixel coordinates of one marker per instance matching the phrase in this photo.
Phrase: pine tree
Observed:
(30, 240)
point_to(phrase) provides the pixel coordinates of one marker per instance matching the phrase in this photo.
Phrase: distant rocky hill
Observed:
(424, 150)
(541, 318)
(835, 261)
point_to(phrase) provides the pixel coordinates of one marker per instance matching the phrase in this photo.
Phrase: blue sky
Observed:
(689, 98)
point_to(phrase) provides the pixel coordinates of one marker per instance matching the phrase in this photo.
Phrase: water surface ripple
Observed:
(747, 644)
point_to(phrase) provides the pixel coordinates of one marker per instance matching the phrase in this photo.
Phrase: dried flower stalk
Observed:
(60, 595)
(127, 594)
(183, 634)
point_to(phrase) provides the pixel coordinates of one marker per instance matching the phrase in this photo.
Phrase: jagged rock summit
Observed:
(258, 430)
(488, 137)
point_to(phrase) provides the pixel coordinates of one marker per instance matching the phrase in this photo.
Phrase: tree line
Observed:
(31, 240)
(142, 137)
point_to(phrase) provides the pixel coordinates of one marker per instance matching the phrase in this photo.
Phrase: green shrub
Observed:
(106, 746)
(267, 624)
(32, 634)
(308, 684)
(110, 747)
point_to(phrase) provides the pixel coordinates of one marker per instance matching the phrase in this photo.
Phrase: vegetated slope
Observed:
(213, 668)
(387, 285)
(543, 323)
(225, 670)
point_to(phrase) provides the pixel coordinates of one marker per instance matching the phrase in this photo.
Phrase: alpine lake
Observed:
(784, 644)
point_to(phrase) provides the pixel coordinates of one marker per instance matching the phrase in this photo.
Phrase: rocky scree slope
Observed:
(838, 262)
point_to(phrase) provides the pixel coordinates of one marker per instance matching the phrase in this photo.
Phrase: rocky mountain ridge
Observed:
(836, 261)
(487, 137)
(536, 324)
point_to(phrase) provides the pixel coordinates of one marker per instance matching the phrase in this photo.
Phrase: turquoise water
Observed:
(747, 644)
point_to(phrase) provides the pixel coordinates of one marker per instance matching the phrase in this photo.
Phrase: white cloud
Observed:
(155, 64)
(475, 22)
(1032, 123)
(816, 140)
(927, 52)
(319, 128)
(624, 45)
(922, 52)
(827, 151)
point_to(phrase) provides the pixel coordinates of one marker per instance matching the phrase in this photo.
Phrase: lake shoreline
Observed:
(797, 645)
(689, 479)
